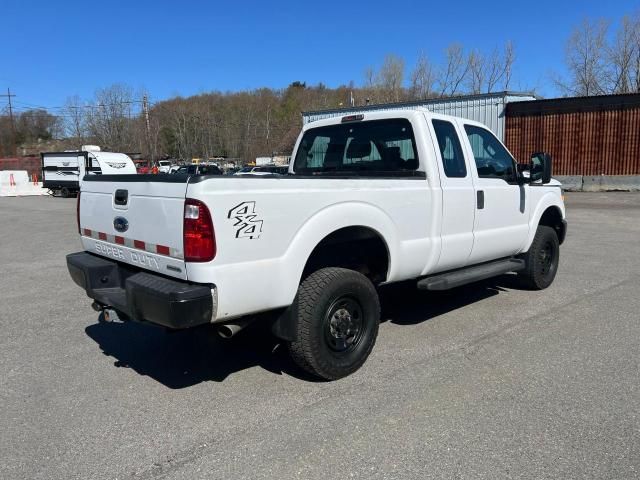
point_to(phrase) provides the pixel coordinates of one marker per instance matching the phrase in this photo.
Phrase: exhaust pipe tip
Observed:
(229, 330)
(226, 331)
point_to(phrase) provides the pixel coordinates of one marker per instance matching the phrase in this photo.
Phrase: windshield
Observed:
(377, 146)
(164, 163)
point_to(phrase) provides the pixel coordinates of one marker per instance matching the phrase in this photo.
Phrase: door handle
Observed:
(480, 199)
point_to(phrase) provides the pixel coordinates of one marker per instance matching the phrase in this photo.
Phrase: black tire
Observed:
(541, 261)
(64, 192)
(338, 314)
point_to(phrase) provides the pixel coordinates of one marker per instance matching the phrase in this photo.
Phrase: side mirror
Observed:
(540, 167)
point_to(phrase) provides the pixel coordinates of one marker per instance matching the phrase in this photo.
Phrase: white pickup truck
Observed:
(368, 200)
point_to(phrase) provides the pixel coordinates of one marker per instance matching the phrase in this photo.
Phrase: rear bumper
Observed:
(143, 296)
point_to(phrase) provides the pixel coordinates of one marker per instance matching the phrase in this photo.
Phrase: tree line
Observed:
(265, 121)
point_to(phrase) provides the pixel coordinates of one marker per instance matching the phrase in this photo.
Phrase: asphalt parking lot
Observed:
(486, 381)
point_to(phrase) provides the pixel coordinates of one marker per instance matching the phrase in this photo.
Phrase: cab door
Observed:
(501, 224)
(458, 196)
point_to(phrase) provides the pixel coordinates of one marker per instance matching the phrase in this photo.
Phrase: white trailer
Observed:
(62, 172)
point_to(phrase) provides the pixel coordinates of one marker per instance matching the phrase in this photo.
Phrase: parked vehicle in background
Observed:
(62, 172)
(142, 166)
(174, 168)
(199, 169)
(264, 170)
(244, 170)
(370, 199)
(164, 166)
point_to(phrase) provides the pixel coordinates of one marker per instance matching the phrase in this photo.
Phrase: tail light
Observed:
(78, 213)
(199, 237)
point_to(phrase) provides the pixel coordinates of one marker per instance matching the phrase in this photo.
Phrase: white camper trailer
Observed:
(62, 172)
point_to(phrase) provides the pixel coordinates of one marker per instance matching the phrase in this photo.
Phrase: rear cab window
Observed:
(369, 148)
(453, 161)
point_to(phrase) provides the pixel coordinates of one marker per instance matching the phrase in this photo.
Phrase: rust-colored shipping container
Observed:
(584, 135)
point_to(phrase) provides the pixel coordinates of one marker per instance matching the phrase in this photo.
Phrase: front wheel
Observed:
(338, 313)
(541, 261)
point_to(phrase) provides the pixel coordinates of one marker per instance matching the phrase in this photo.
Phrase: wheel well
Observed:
(357, 248)
(553, 218)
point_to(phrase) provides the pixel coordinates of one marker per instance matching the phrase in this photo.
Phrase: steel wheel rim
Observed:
(546, 258)
(344, 324)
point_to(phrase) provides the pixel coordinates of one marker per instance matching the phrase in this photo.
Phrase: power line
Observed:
(78, 107)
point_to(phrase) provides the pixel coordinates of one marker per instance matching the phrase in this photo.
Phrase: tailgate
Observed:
(136, 219)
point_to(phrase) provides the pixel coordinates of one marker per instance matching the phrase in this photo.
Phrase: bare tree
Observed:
(75, 115)
(623, 57)
(509, 60)
(423, 78)
(637, 60)
(586, 52)
(37, 124)
(109, 120)
(390, 77)
(477, 71)
(486, 72)
(369, 77)
(498, 68)
(455, 70)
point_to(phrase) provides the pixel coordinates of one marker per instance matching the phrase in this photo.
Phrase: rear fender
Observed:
(327, 221)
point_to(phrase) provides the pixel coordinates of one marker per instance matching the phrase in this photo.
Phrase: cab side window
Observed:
(492, 159)
(450, 149)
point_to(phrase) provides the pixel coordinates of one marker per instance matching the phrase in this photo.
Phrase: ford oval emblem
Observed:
(121, 224)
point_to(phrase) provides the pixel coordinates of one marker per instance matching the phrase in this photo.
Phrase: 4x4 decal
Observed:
(248, 226)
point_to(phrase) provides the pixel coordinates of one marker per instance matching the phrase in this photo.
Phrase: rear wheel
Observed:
(338, 313)
(541, 261)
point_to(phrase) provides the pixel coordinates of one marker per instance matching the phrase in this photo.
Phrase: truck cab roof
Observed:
(386, 114)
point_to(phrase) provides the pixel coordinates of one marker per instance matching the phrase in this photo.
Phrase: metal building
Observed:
(585, 135)
(487, 108)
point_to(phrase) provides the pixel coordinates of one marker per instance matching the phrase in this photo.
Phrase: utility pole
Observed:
(145, 109)
(13, 125)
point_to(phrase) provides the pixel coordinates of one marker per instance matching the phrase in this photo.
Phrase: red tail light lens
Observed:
(78, 213)
(198, 234)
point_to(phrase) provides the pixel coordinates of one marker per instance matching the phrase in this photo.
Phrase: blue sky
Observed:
(53, 50)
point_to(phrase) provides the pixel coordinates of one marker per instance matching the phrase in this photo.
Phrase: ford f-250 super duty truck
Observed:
(369, 199)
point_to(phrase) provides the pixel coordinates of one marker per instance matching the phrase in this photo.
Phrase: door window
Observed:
(492, 159)
(450, 149)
